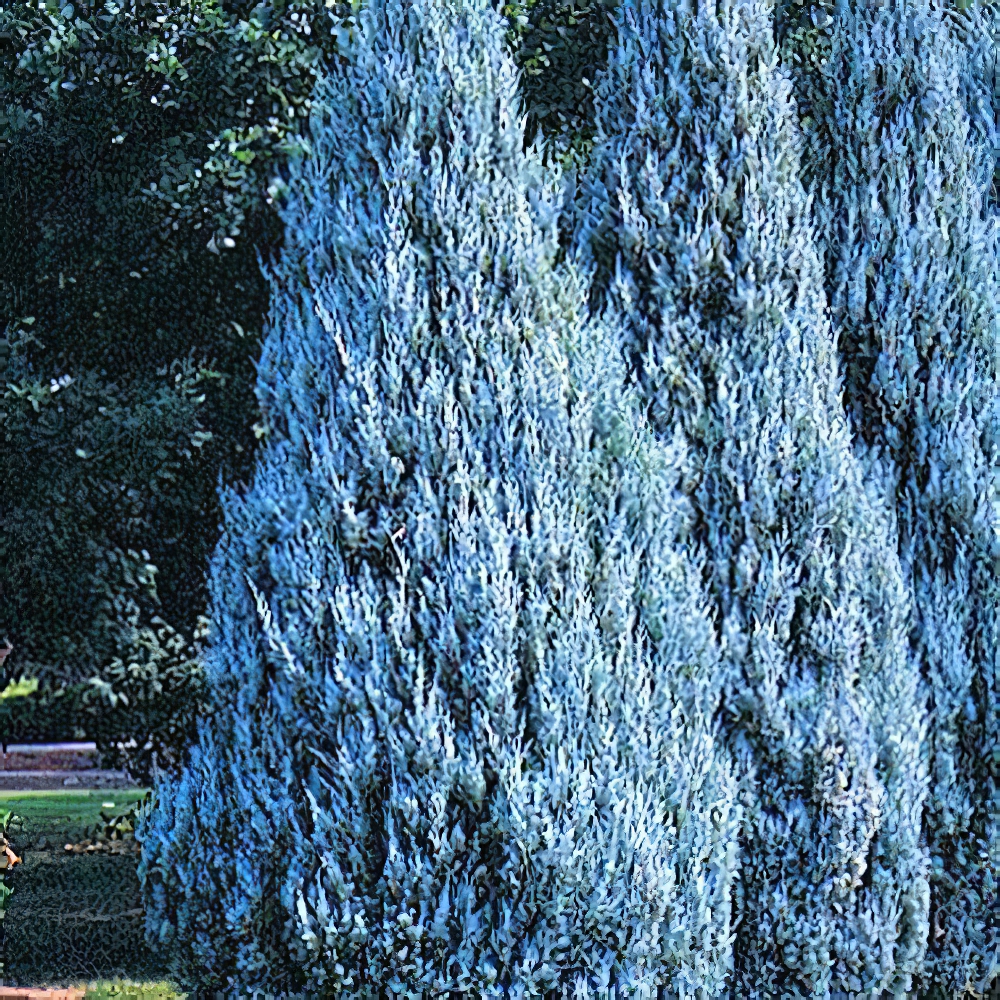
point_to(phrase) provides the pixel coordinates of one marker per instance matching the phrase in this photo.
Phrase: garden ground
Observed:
(75, 918)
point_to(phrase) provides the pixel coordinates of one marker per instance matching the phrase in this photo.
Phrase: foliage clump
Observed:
(464, 673)
(913, 285)
(699, 217)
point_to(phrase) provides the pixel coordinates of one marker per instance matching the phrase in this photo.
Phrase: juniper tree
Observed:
(700, 219)
(913, 248)
(465, 676)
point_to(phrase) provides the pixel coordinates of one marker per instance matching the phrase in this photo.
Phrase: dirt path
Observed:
(12, 993)
(48, 767)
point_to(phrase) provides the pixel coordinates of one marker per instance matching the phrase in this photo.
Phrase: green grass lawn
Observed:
(127, 990)
(65, 813)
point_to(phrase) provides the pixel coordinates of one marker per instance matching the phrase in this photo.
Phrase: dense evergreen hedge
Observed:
(362, 786)
(683, 671)
(465, 551)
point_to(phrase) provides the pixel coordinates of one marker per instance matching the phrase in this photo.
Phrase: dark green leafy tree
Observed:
(140, 145)
(113, 445)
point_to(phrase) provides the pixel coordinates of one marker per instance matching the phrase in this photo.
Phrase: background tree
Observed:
(139, 143)
(463, 672)
(912, 247)
(699, 219)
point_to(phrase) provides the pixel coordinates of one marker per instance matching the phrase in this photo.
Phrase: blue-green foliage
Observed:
(552, 649)
(465, 674)
(914, 288)
(698, 211)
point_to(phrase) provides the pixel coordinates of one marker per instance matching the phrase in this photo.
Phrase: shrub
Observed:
(464, 678)
(913, 281)
(699, 219)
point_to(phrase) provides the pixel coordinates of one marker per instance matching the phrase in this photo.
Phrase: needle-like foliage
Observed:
(913, 248)
(699, 218)
(465, 675)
